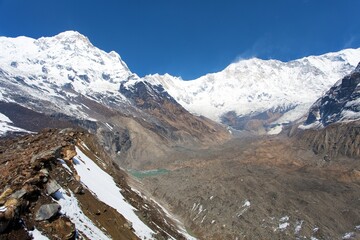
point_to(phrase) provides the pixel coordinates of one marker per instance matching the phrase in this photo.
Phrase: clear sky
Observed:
(190, 38)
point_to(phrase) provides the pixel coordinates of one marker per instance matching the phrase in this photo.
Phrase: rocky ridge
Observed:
(39, 174)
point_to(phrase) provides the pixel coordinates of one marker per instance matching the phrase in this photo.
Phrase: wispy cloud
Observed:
(351, 42)
(264, 47)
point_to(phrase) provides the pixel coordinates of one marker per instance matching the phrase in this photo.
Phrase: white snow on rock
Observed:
(103, 186)
(246, 203)
(70, 207)
(298, 227)
(349, 235)
(4, 118)
(6, 126)
(283, 223)
(37, 235)
(275, 130)
(63, 163)
(3, 209)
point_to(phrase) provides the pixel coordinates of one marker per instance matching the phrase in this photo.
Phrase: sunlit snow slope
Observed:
(104, 187)
(254, 85)
(59, 70)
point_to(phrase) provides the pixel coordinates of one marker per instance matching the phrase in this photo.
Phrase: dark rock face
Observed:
(47, 211)
(333, 106)
(119, 140)
(147, 96)
(30, 120)
(171, 120)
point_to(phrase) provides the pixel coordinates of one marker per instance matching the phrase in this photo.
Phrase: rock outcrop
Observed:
(38, 175)
(340, 103)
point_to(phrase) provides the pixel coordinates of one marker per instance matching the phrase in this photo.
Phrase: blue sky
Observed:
(190, 38)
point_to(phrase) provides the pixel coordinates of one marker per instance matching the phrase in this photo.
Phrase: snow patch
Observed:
(37, 235)
(246, 203)
(4, 118)
(284, 219)
(3, 209)
(275, 130)
(283, 226)
(349, 235)
(6, 126)
(298, 227)
(70, 206)
(63, 163)
(106, 190)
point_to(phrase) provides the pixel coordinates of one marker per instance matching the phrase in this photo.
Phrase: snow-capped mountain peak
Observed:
(52, 67)
(56, 69)
(254, 86)
(68, 50)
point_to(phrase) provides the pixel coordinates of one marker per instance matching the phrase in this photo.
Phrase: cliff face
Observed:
(340, 103)
(335, 140)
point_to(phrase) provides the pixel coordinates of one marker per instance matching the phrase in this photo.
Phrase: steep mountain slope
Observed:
(58, 69)
(64, 190)
(332, 123)
(340, 103)
(269, 91)
(68, 79)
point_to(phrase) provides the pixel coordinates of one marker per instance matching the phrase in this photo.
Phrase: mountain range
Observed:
(259, 150)
(251, 94)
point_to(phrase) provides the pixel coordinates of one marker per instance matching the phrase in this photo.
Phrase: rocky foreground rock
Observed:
(36, 170)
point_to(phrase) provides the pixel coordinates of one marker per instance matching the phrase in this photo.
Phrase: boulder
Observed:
(47, 211)
(47, 155)
(52, 186)
(63, 228)
(68, 153)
